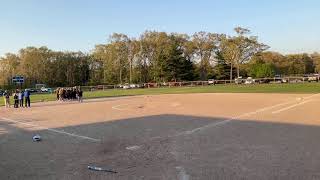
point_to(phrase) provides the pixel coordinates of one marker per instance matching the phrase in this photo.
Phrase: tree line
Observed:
(155, 57)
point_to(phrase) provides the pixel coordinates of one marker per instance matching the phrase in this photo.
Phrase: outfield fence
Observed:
(283, 80)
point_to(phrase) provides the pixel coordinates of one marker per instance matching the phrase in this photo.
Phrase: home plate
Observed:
(133, 148)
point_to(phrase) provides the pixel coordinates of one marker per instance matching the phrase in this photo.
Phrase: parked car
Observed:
(305, 78)
(46, 90)
(1, 92)
(100, 87)
(284, 80)
(249, 80)
(278, 79)
(239, 80)
(211, 82)
(32, 90)
(164, 84)
(263, 81)
(140, 85)
(126, 86)
(314, 77)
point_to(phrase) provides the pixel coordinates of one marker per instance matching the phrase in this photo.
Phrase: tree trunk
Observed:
(231, 67)
(130, 71)
(120, 76)
(238, 70)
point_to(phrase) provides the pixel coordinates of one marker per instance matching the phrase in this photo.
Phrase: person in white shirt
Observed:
(20, 98)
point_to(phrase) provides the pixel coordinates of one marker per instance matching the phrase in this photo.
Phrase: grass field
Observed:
(262, 88)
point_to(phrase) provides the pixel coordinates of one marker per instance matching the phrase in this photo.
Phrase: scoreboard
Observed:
(18, 79)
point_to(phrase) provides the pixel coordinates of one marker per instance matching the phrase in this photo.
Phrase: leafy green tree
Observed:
(316, 62)
(205, 46)
(299, 64)
(155, 56)
(276, 59)
(221, 70)
(262, 70)
(248, 46)
(230, 53)
(9, 67)
(177, 67)
(240, 49)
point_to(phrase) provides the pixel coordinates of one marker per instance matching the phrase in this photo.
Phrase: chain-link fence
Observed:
(238, 81)
(248, 81)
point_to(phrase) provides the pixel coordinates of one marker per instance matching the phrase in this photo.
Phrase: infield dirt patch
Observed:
(195, 136)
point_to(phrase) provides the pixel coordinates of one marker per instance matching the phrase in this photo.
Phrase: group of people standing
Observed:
(21, 98)
(69, 94)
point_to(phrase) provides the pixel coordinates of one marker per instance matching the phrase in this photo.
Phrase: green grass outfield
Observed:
(259, 88)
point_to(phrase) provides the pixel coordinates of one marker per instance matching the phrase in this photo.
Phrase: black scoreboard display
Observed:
(18, 79)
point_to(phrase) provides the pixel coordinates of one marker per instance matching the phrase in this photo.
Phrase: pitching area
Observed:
(183, 137)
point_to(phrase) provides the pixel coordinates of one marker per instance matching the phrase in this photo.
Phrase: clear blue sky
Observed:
(288, 26)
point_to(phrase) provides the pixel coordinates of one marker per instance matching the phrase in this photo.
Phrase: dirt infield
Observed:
(183, 137)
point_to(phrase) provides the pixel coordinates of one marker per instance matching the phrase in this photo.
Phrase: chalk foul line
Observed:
(290, 107)
(232, 119)
(246, 115)
(54, 130)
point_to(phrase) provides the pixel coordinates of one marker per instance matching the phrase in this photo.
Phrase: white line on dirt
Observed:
(290, 107)
(133, 148)
(236, 117)
(247, 114)
(226, 121)
(109, 98)
(117, 107)
(54, 130)
(310, 97)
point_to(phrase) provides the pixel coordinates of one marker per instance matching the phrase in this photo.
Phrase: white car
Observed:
(284, 80)
(313, 78)
(239, 80)
(126, 86)
(249, 80)
(211, 81)
(43, 89)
